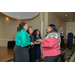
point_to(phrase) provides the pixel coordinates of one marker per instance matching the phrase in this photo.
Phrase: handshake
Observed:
(33, 43)
(38, 42)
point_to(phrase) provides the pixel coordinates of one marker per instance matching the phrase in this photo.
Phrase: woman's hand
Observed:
(35, 42)
(32, 43)
(39, 40)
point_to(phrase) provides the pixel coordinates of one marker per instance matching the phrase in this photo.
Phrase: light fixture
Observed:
(70, 20)
(7, 18)
(65, 15)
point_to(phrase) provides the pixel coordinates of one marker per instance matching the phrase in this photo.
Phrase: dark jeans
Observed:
(51, 58)
(62, 45)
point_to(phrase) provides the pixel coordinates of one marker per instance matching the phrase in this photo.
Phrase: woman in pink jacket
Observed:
(51, 44)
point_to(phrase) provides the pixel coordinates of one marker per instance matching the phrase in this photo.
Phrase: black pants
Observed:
(51, 58)
(32, 59)
(70, 45)
(62, 45)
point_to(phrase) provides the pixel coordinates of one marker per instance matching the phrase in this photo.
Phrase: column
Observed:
(41, 21)
(0, 31)
(42, 29)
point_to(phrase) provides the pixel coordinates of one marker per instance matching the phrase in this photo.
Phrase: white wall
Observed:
(68, 25)
(45, 23)
(54, 19)
(72, 25)
(8, 29)
(0, 30)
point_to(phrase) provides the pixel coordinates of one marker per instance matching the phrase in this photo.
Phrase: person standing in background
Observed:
(70, 40)
(31, 50)
(37, 36)
(22, 44)
(67, 41)
(62, 41)
(74, 38)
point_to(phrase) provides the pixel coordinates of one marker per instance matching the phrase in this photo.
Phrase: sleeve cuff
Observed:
(30, 43)
(41, 40)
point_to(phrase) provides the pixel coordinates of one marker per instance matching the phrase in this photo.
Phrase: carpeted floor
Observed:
(69, 54)
(10, 60)
(41, 60)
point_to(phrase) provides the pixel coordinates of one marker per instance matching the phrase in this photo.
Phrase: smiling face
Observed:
(30, 30)
(38, 32)
(49, 29)
(25, 27)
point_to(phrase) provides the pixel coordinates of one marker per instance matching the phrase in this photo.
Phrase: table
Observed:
(11, 44)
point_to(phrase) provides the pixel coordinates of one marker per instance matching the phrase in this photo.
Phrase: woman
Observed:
(37, 36)
(22, 43)
(51, 44)
(31, 50)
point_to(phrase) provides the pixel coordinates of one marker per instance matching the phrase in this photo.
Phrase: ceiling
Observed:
(28, 15)
(70, 16)
(21, 15)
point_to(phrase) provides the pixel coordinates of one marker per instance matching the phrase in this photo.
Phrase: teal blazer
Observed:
(22, 38)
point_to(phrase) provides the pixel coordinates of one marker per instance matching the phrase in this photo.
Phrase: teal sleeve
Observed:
(24, 41)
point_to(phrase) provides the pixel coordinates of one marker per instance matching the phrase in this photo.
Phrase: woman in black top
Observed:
(31, 50)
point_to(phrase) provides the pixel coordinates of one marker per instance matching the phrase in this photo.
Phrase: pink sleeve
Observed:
(48, 42)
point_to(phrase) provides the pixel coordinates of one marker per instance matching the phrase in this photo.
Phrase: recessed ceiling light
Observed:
(65, 15)
(7, 18)
(70, 20)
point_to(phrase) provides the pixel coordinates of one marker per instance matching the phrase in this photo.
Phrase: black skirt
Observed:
(21, 54)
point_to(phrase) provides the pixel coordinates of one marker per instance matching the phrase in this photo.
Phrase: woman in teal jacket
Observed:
(22, 44)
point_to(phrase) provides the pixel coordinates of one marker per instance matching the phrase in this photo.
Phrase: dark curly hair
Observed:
(53, 27)
(21, 26)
